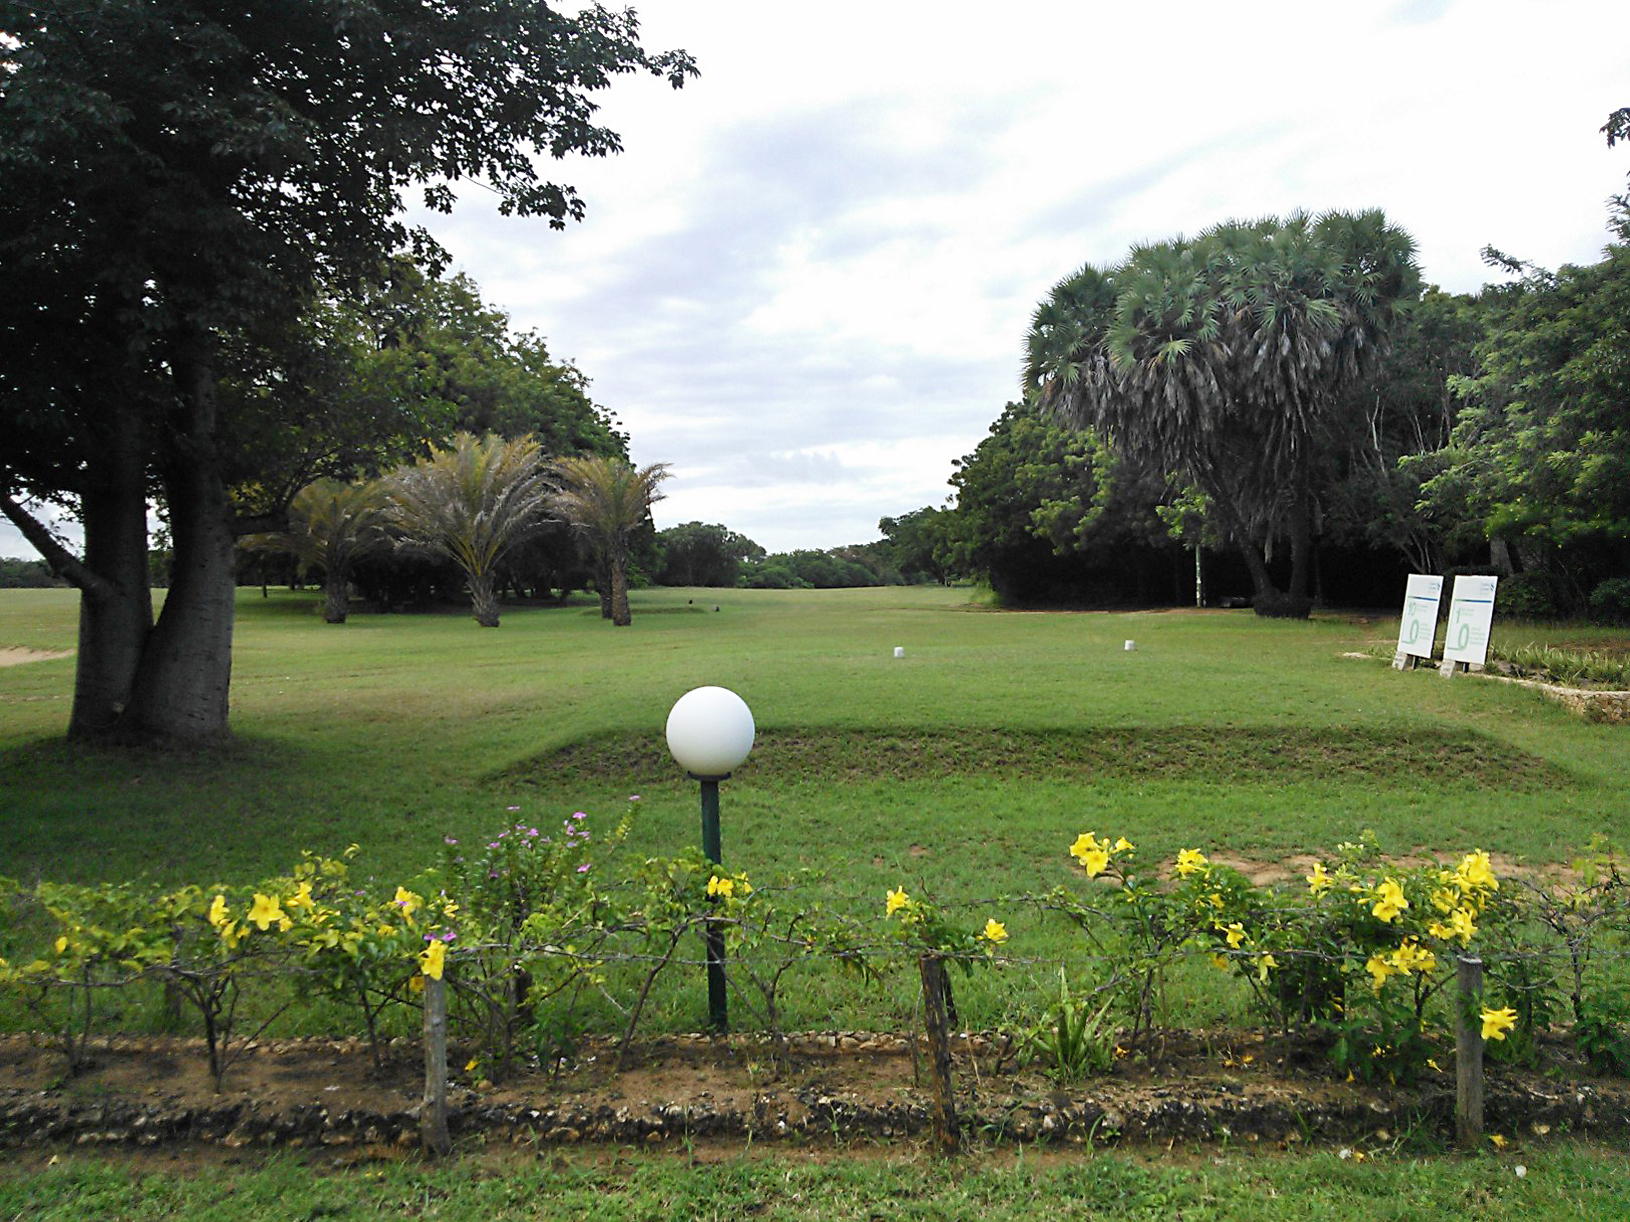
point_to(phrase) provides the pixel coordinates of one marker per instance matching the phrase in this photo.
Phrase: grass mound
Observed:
(815, 753)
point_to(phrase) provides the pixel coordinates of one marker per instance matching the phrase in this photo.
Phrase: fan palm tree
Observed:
(472, 503)
(605, 499)
(1222, 357)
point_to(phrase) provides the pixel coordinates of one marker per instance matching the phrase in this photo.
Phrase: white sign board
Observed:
(1419, 625)
(1471, 616)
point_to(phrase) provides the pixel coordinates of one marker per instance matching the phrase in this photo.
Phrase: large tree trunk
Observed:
(1264, 594)
(181, 686)
(336, 595)
(602, 582)
(484, 599)
(1301, 543)
(621, 616)
(115, 616)
(115, 600)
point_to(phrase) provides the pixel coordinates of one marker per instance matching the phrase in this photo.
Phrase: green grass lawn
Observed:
(963, 769)
(1558, 1181)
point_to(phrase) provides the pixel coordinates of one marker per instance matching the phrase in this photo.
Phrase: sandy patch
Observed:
(16, 657)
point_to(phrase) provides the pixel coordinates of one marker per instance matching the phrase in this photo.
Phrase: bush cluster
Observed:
(526, 927)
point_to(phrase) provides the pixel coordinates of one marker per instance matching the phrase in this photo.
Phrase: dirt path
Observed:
(17, 657)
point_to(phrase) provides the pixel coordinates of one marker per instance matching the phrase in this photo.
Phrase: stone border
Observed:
(1248, 1106)
(1593, 704)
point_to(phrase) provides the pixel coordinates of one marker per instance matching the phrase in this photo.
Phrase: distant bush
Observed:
(1610, 601)
(1530, 595)
(18, 574)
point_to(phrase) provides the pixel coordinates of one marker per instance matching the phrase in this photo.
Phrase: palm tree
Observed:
(332, 525)
(472, 503)
(1221, 359)
(605, 499)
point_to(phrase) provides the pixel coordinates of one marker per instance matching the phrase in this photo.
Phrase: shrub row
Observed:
(527, 926)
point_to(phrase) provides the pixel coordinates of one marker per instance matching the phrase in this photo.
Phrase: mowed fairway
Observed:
(963, 769)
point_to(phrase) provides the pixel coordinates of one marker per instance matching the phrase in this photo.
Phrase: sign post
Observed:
(1419, 625)
(1471, 617)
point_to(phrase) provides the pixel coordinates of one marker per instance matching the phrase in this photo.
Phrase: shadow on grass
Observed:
(1158, 753)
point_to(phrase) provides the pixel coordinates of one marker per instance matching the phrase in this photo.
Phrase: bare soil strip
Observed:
(837, 1086)
(17, 657)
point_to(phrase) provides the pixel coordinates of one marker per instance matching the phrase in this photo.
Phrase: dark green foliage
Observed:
(808, 570)
(1610, 601)
(1603, 1032)
(919, 544)
(701, 554)
(1045, 513)
(1539, 460)
(17, 574)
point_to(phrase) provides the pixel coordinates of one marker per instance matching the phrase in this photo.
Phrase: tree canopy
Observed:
(179, 175)
(1220, 359)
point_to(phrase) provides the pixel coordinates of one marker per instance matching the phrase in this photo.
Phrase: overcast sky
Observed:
(806, 280)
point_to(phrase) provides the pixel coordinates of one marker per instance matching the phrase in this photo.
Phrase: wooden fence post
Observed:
(1469, 1053)
(946, 1128)
(433, 1112)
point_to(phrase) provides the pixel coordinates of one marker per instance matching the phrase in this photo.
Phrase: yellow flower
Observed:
(1438, 1068)
(471, 1064)
(1412, 957)
(1092, 853)
(1497, 1140)
(1389, 900)
(1460, 922)
(897, 900)
(1475, 873)
(717, 886)
(1319, 880)
(1190, 861)
(432, 959)
(301, 898)
(995, 932)
(265, 910)
(746, 887)
(217, 912)
(1123, 845)
(407, 901)
(1497, 1022)
(61, 944)
(1380, 969)
(1220, 962)
(232, 933)
(1264, 965)
(1235, 934)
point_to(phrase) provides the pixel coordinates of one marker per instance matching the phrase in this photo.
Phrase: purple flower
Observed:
(584, 868)
(580, 815)
(531, 831)
(448, 840)
(633, 797)
(512, 808)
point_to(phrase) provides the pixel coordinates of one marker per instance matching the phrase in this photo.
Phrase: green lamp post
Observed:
(710, 733)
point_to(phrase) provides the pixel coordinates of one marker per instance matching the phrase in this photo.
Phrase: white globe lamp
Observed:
(710, 733)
